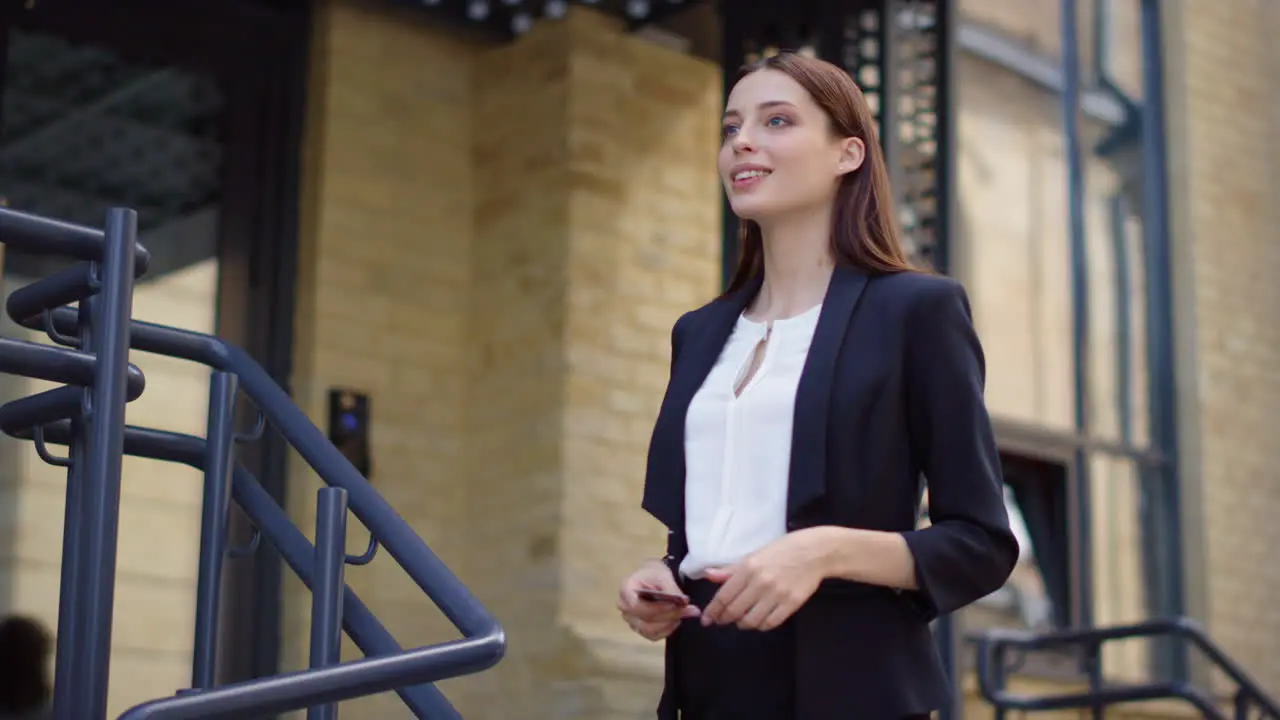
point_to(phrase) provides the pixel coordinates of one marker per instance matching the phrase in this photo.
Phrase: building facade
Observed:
(494, 239)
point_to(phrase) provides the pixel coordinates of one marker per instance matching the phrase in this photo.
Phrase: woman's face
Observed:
(779, 155)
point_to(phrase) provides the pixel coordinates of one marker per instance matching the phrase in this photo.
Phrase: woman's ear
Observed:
(853, 152)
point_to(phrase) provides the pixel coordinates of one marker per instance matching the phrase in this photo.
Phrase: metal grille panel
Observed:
(897, 52)
(83, 130)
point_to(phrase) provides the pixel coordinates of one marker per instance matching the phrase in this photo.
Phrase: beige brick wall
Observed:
(645, 247)
(496, 242)
(514, 380)
(1225, 132)
(384, 275)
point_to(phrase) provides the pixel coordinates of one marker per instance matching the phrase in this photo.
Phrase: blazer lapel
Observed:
(813, 396)
(705, 339)
(664, 485)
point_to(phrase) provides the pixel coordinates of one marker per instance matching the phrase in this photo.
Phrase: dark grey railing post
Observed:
(98, 381)
(327, 587)
(66, 674)
(1070, 108)
(213, 525)
(1165, 488)
(425, 700)
(112, 312)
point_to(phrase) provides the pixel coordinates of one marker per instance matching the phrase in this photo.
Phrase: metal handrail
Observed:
(266, 515)
(486, 640)
(995, 646)
(39, 235)
(99, 384)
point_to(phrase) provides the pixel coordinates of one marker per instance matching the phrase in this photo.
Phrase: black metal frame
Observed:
(257, 293)
(1166, 544)
(1143, 133)
(1157, 465)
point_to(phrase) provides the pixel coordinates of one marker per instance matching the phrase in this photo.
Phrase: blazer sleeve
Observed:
(969, 550)
(675, 549)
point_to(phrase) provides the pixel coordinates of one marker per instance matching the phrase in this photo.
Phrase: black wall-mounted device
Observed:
(349, 427)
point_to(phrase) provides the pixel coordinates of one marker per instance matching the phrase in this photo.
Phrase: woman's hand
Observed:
(652, 620)
(764, 589)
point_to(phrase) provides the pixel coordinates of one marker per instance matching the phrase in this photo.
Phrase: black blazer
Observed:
(892, 390)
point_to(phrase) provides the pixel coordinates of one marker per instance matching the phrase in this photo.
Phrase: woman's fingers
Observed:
(652, 620)
(756, 616)
(779, 615)
(652, 630)
(658, 631)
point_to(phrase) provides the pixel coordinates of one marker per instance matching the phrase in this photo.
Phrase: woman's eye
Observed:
(728, 130)
(777, 121)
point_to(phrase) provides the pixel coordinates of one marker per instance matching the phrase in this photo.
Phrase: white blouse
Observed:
(738, 448)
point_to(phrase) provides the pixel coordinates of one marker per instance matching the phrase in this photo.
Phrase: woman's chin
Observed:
(750, 208)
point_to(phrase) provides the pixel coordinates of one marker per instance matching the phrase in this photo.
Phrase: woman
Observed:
(804, 405)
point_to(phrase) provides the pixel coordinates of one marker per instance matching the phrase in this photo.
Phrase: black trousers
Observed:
(723, 673)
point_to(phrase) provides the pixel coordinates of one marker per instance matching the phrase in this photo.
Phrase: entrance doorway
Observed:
(191, 114)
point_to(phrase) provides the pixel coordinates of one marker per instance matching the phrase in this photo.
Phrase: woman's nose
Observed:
(742, 143)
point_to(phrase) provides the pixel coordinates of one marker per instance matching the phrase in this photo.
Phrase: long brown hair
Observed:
(864, 230)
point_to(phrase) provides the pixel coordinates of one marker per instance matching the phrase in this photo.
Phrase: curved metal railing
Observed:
(87, 415)
(994, 662)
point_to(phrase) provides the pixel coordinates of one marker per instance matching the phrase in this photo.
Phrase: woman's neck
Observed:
(797, 266)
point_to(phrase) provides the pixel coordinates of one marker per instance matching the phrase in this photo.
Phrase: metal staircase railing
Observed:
(994, 664)
(87, 414)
